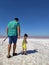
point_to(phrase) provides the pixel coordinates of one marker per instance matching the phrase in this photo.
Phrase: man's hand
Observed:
(18, 36)
(5, 38)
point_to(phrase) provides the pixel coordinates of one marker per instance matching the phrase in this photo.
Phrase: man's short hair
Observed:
(16, 19)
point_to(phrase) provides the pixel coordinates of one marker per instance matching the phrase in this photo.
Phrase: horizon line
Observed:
(30, 36)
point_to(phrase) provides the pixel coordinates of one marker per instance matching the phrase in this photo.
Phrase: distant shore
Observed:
(38, 37)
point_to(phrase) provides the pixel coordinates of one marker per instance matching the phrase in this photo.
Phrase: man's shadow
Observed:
(30, 51)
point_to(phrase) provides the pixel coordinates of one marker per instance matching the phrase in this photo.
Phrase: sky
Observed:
(33, 16)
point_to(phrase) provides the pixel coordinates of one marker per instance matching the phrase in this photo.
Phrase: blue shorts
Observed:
(12, 39)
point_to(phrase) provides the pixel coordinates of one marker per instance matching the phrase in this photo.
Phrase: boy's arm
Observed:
(22, 42)
(26, 42)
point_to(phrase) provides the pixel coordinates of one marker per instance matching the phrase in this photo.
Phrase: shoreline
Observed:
(31, 37)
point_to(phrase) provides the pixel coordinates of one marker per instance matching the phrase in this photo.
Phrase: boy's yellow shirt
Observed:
(24, 44)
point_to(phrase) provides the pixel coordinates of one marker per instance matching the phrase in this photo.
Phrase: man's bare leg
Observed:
(9, 48)
(14, 48)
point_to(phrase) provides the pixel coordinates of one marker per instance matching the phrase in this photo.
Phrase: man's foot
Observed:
(14, 54)
(22, 53)
(8, 56)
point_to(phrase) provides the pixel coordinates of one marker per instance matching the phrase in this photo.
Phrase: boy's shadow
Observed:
(30, 51)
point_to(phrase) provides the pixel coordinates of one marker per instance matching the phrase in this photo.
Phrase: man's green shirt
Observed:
(12, 28)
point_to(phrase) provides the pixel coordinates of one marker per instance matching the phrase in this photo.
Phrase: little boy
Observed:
(24, 47)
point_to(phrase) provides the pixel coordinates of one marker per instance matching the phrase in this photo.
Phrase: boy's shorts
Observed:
(12, 39)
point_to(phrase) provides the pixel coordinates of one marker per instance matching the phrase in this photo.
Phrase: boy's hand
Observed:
(26, 42)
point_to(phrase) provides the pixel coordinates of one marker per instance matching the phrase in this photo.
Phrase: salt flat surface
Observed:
(37, 49)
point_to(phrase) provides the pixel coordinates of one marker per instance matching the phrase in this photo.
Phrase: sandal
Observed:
(14, 54)
(9, 56)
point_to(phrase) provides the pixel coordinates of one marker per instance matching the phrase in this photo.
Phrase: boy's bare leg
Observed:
(25, 52)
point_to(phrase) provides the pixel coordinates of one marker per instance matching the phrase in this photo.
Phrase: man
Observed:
(13, 32)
